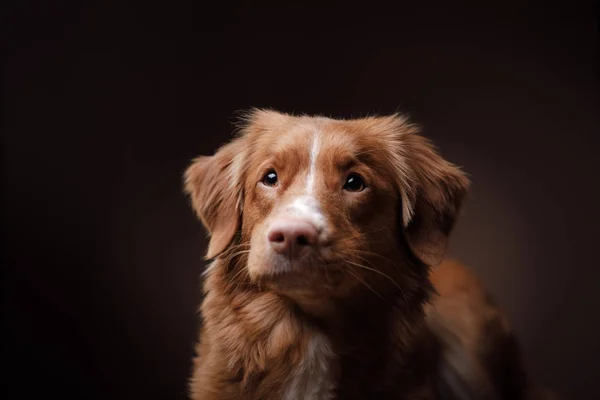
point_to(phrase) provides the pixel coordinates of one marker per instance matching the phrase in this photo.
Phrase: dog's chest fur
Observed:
(312, 378)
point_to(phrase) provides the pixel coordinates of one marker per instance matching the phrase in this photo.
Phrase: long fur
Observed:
(362, 319)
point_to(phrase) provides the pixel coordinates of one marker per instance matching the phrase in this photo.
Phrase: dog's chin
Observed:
(306, 276)
(309, 286)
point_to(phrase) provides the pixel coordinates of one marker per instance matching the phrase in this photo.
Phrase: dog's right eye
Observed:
(270, 178)
(354, 183)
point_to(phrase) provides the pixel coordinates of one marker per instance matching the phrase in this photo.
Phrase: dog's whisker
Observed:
(237, 274)
(362, 234)
(238, 246)
(376, 271)
(231, 256)
(365, 284)
(389, 278)
(370, 253)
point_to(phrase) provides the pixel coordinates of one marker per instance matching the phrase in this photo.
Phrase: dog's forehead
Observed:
(306, 135)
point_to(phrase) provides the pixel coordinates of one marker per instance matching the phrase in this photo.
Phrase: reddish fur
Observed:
(257, 324)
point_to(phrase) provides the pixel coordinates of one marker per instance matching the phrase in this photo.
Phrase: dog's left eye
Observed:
(354, 183)
(270, 178)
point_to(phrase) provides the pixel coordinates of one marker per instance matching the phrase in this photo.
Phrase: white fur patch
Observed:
(307, 207)
(313, 380)
(314, 152)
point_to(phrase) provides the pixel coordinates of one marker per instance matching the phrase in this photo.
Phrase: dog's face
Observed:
(317, 206)
(316, 199)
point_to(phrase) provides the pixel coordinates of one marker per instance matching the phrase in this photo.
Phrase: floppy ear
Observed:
(215, 188)
(436, 194)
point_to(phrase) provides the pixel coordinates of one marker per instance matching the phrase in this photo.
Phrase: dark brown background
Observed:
(104, 104)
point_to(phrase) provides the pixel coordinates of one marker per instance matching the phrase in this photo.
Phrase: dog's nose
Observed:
(292, 236)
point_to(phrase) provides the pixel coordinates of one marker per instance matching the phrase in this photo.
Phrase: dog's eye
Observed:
(270, 178)
(354, 183)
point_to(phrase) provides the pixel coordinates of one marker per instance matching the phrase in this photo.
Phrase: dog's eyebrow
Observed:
(350, 160)
(347, 163)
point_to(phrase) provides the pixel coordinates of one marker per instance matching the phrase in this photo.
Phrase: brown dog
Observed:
(323, 233)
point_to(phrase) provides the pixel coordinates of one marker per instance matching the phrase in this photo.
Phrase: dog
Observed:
(328, 276)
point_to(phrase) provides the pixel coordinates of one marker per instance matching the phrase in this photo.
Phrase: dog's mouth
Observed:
(283, 267)
(310, 271)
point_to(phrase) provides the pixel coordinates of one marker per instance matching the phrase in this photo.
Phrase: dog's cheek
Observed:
(257, 205)
(362, 206)
(252, 215)
(367, 213)
(378, 220)
(258, 257)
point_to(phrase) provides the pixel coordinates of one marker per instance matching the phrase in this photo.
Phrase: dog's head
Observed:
(313, 205)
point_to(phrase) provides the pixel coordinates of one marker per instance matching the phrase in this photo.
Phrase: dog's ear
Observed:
(214, 184)
(431, 188)
(434, 197)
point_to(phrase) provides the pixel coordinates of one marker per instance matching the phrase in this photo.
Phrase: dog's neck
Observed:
(316, 349)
